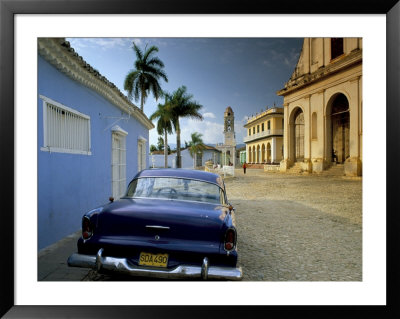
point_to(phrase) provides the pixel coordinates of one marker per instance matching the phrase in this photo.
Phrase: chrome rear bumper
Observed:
(121, 266)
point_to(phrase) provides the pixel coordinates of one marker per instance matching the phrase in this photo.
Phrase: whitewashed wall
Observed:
(157, 161)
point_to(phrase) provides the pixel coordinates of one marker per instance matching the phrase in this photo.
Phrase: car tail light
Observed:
(87, 229)
(230, 239)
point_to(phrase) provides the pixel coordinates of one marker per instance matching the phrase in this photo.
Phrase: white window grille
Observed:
(118, 162)
(65, 130)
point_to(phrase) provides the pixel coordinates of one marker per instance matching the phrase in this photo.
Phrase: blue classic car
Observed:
(171, 223)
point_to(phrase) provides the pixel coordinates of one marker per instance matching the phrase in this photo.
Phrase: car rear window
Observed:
(176, 188)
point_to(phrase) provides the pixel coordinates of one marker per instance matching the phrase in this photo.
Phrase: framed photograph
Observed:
(23, 23)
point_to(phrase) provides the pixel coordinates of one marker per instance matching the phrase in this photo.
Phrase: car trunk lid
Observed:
(162, 221)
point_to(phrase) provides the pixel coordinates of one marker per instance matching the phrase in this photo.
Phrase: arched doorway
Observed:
(228, 158)
(250, 158)
(268, 152)
(340, 128)
(263, 153)
(258, 153)
(254, 154)
(299, 135)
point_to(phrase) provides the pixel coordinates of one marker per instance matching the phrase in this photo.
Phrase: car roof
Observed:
(182, 173)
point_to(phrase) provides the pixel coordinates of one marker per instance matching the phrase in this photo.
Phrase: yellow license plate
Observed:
(155, 260)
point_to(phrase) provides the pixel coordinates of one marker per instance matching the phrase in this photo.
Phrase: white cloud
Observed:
(212, 132)
(244, 119)
(100, 43)
(159, 42)
(239, 127)
(108, 43)
(209, 115)
(138, 41)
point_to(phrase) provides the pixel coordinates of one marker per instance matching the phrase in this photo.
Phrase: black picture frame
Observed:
(8, 10)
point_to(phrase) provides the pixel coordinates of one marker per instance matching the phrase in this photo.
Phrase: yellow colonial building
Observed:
(264, 140)
(323, 107)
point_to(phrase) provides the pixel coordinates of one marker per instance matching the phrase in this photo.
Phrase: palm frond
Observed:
(149, 53)
(155, 61)
(138, 52)
(129, 82)
(196, 145)
(155, 88)
(164, 117)
(154, 72)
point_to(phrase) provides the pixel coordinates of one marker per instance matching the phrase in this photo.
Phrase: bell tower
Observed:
(228, 149)
(229, 127)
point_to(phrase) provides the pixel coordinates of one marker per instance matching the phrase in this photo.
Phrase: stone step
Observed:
(295, 169)
(255, 165)
(334, 170)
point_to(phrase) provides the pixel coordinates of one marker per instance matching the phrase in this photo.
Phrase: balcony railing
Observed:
(262, 134)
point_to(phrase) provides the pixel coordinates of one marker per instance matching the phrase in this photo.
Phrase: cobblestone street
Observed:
(297, 227)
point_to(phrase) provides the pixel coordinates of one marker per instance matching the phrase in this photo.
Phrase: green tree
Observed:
(145, 77)
(160, 144)
(182, 105)
(196, 146)
(164, 125)
(153, 148)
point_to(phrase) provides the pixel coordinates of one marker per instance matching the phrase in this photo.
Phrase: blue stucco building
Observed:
(91, 140)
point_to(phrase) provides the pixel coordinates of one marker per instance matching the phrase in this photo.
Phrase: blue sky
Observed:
(243, 73)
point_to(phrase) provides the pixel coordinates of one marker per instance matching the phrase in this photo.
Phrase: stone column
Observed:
(285, 163)
(307, 136)
(273, 150)
(352, 166)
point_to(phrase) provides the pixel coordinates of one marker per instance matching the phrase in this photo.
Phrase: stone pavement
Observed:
(52, 261)
(297, 227)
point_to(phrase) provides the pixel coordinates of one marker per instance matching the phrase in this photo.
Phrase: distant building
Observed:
(210, 153)
(241, 155)
(323, 107)
(91, 140)
(156, 160)
(228, 148)
(264, 140)
(186, 160)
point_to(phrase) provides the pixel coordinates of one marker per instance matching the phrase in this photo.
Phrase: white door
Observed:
(141, 155)
(118, 165)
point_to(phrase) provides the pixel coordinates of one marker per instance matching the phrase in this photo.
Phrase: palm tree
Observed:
(145, 77)
(196, 146)
(164, 125)
(182, 105)
(160, 143)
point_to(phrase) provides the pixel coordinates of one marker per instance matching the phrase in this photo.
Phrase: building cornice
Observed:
(270, 113)
(59, 53)
(300, 94)
(337, 65)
